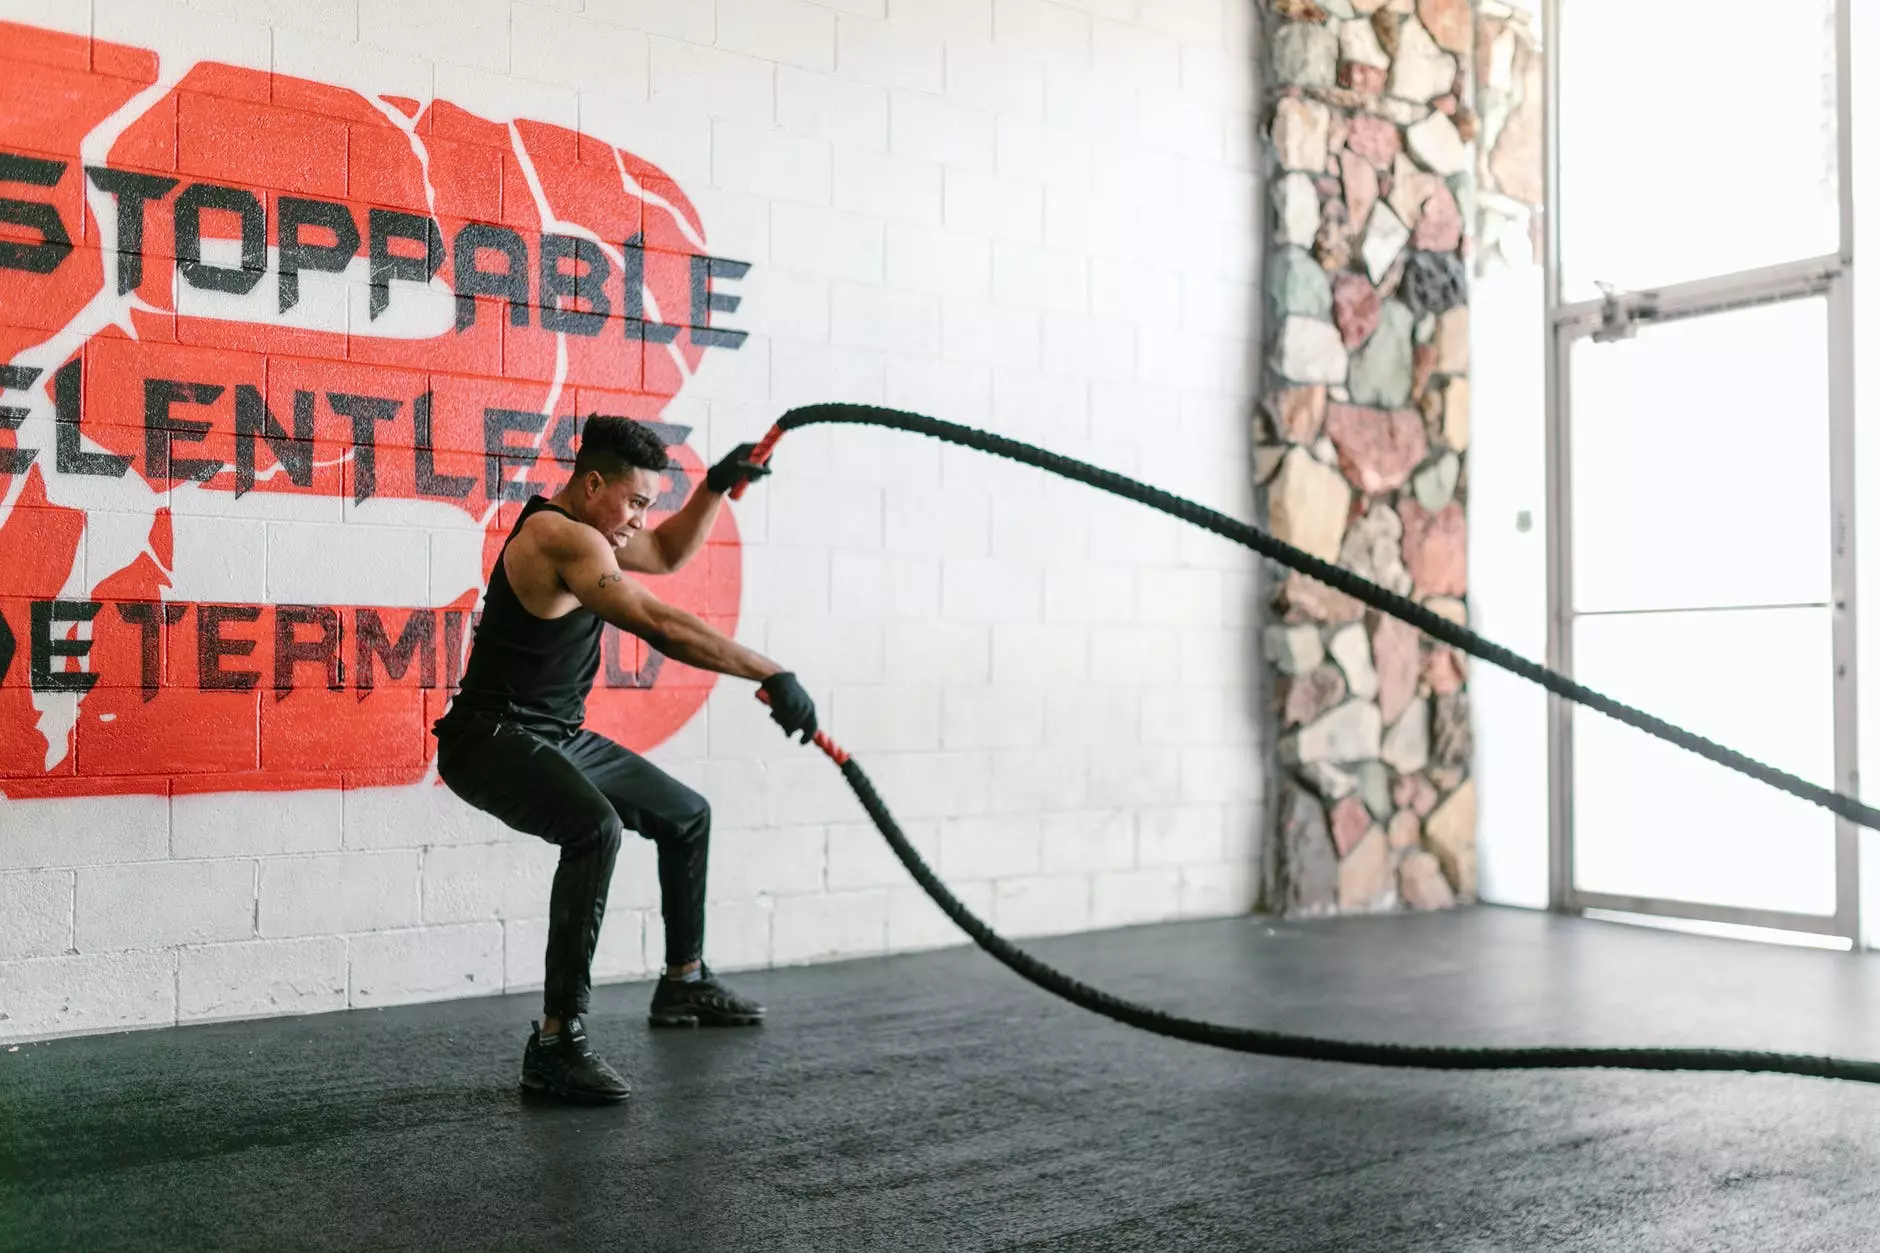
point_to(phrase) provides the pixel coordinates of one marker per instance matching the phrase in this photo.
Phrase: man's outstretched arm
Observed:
(587, 567)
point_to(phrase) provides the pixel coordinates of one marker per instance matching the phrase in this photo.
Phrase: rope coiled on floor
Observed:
(1276, 1043)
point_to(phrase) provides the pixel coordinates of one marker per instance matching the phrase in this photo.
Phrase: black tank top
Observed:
(533, 671)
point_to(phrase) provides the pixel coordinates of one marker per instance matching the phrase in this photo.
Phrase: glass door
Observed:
(1702, 445)
(1702, 590)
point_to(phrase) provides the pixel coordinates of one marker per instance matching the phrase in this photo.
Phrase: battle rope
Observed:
(1276, 1043)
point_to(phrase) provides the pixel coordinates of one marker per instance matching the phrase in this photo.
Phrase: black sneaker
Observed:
(566, 1067)
(704, 1003)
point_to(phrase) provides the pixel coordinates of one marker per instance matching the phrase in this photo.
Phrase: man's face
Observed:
(617, 507)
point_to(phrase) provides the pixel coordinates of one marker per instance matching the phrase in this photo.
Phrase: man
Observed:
(511, 743)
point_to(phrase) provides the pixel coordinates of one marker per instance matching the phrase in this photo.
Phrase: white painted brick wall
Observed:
(823, 106)
(1081, 841)
(35, 914)
(786, 31)
(989, 847)
(957, 19)
(1033, 216)
(1000, 79)
(1127, 897)
(85, 992)
(698, 80)
(230, 824)
(867, 316)
(254, 978)
(888, 185)
(575, 51)
(738, 934)
(1041, 904)
(770, 861)
(407, 817)
(887, 719)
(155, 904)
(426, 964)
(770, 163)
(834, 243)
(943, 652)
(833, 924)
(924, 259)
(887, 54)
(676, 19)
(339, 892)
(72, 832)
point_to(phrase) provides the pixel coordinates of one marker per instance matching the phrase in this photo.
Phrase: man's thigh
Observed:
(647, 799)
(523, 780)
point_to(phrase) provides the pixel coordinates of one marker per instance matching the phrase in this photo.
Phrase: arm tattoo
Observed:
(610, 578)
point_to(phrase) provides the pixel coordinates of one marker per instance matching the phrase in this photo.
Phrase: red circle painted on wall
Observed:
(281, 363)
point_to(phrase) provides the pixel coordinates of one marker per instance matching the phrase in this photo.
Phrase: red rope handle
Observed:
(761, 455)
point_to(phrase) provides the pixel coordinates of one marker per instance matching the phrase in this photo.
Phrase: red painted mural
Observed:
(332, 333)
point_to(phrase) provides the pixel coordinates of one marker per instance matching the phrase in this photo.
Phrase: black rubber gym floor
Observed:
(934, 1101)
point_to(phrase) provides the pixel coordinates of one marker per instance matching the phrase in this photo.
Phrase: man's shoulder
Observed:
(547, 535)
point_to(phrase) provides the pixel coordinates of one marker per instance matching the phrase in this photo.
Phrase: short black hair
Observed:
(615, 445)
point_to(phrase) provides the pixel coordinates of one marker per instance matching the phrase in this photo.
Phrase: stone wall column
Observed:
(1363, 442)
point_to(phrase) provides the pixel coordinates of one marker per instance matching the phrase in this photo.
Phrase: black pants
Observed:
(582, 792)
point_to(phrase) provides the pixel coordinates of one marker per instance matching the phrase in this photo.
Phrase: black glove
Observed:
(737, 467)
(790, 706)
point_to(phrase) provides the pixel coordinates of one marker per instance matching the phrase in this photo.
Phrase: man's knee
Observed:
(697, 823)
(686, 816)
(611, 832)
(600, 831)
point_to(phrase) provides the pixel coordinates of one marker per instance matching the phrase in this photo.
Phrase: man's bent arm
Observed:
(670, 545)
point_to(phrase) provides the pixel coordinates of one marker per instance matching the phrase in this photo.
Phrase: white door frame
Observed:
(1829, 276)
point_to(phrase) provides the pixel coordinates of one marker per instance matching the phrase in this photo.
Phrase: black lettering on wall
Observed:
(385, 225)
(254, 418)
(54, 245)
(633, 258)
(705, 301)
(499, 455)
(163, 430)
(45, 648)
(298, 254)
(560, 442)
(583, 285)
(69, 456)
(211, 648)
(473, 281)
(151, 618)
(290, 650)
(133, 191)
(190, 206)
(418, 639)
(366, 413)
(429, 481)
(15, 378)
(7, 647)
